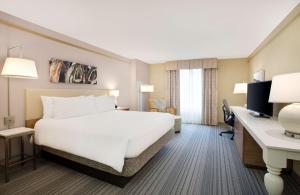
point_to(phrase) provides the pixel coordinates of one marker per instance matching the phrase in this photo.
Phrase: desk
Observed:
(276, 147)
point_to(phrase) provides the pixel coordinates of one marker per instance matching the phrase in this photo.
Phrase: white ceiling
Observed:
(159, 30)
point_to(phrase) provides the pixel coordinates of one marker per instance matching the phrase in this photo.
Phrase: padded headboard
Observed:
(33, 102)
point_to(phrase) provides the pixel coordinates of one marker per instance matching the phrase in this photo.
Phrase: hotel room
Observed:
(150, 97)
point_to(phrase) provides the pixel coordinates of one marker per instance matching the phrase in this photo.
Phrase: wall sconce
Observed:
(16, 68)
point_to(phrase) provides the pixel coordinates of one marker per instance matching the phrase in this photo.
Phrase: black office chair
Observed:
(228, 119)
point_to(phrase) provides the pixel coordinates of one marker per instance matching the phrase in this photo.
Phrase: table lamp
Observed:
(241, 88)
(285, 89)
(144, 88)
(147, 88)
(116, 94)
(17, 68)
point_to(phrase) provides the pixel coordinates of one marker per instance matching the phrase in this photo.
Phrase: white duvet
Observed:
(107, 137)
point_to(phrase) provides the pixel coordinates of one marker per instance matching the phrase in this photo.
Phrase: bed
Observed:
(114, 145)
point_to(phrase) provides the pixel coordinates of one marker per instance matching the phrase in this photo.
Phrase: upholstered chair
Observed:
(160, 105)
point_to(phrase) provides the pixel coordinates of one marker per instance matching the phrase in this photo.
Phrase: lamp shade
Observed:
(285, 88)
(114, 92)
(19, 68)
(147, 88)
(240, 88)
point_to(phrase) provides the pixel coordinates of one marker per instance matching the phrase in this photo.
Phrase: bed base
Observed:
(34, 112)
(103, 172)
(117, 180)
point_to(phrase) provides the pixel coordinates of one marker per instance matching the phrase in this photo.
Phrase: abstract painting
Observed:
(71, 72)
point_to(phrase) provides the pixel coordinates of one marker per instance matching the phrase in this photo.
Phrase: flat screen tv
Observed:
(258, 98)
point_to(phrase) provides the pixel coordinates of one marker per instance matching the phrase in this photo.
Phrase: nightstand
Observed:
(7, 135)
(123, 108)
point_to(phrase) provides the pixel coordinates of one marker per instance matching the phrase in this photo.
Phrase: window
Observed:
(191, 95)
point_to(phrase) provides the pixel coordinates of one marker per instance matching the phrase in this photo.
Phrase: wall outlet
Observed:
(9, 121)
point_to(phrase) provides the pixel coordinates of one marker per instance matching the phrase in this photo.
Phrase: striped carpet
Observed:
(196, 161)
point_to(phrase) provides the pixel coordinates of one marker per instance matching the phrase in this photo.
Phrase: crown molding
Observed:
(26, 26)
(288, 20)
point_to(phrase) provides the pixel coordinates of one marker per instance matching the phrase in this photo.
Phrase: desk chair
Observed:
(228, 119)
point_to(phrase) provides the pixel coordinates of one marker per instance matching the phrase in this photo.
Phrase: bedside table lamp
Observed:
(16, 68)
(241, 88)
(115, 93)
(285, 89)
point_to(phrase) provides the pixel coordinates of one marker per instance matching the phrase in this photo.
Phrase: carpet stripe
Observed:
(196, 161)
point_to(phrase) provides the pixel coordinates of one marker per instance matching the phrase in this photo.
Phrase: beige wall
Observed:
(158, 79)
(113, 73)
(139, 74)
(230, 71)
(280, 55)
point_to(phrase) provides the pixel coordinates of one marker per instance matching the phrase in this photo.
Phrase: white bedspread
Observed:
(107, 137)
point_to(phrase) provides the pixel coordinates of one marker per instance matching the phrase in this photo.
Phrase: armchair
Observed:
(160, 105)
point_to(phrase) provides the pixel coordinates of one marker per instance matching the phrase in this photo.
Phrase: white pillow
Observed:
(47, 106)
(73, 106)
(104, 103)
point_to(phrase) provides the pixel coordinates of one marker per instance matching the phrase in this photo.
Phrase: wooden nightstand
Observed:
(123, 108)
(7, 135)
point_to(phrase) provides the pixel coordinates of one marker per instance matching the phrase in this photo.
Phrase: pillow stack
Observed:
(67, 107)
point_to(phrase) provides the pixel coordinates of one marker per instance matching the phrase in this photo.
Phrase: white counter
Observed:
(277, 147)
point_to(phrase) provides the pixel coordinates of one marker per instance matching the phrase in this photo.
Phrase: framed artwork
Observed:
(62, 71)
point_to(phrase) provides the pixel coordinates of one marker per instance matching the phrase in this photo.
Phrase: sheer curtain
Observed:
(191, 94)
